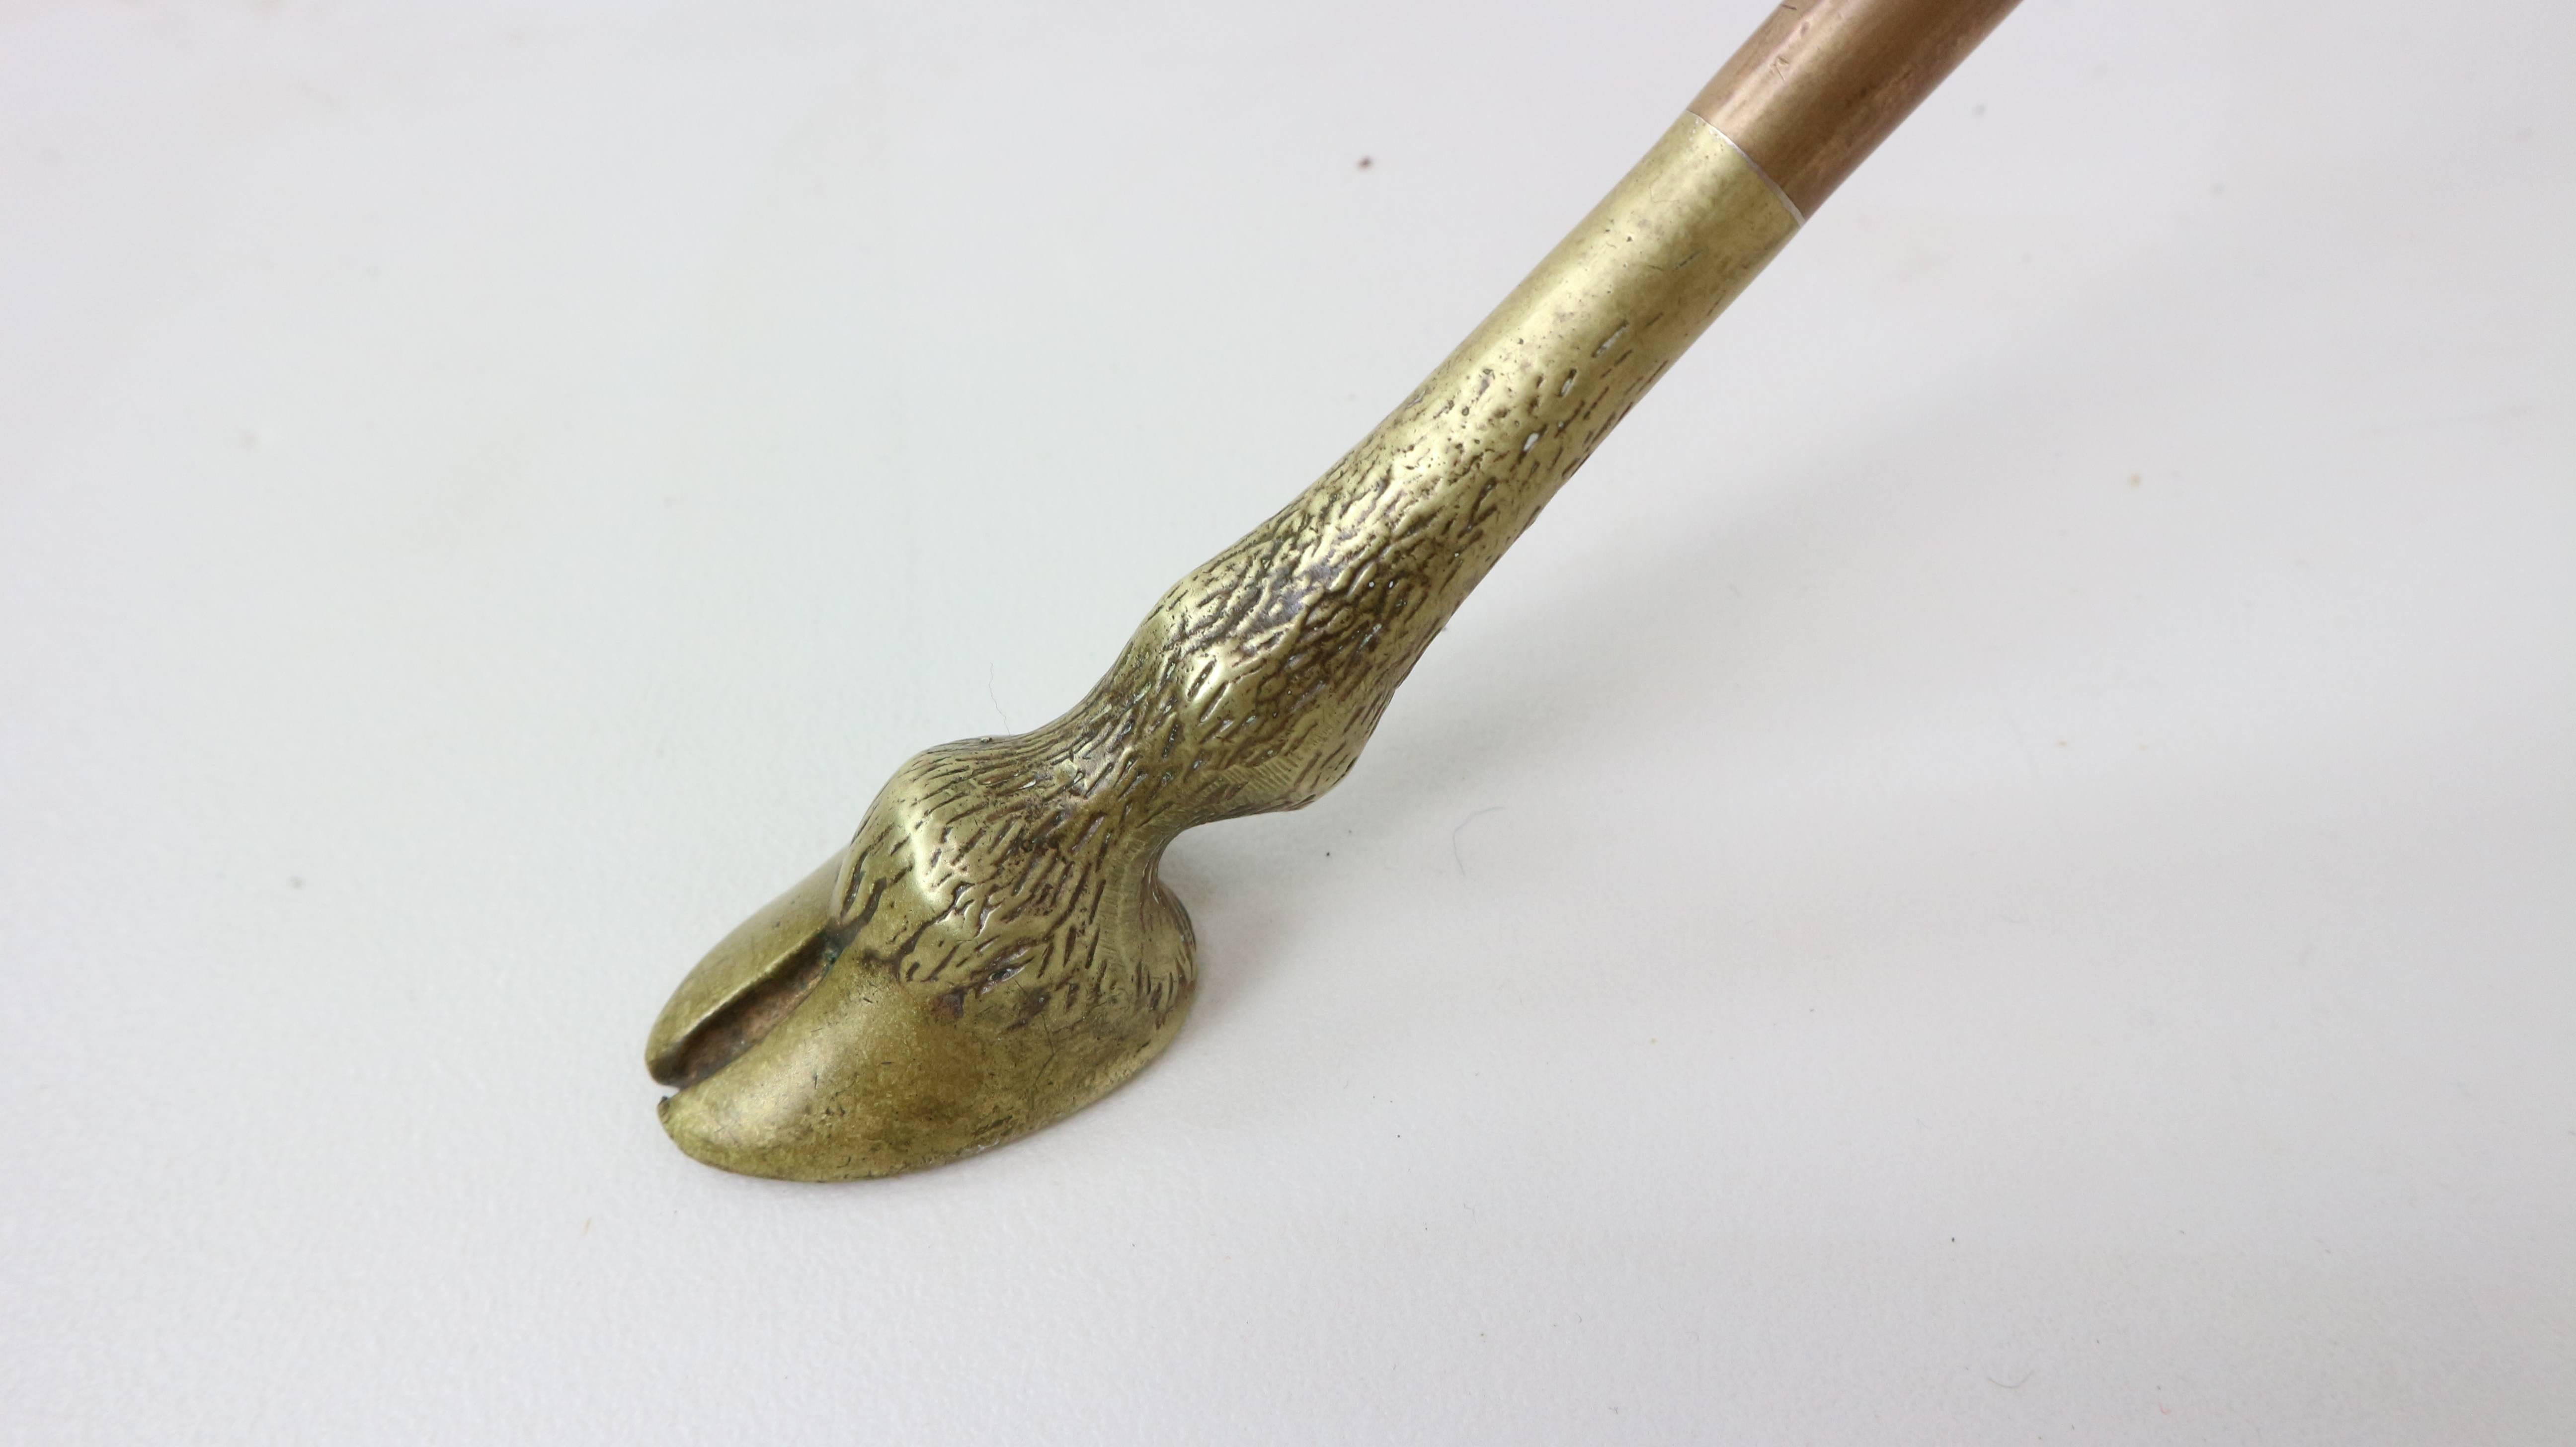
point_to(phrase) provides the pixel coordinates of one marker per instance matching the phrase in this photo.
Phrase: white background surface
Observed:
(2001, 867)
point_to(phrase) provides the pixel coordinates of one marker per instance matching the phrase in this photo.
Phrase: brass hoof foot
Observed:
(986, 958)
(993, 952)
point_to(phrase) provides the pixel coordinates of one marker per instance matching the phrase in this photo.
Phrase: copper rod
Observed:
(1824, 81)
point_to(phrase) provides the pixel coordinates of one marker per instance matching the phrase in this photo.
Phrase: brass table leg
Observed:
(994, 950)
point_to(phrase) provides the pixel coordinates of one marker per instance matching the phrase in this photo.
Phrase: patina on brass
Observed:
(994, 951)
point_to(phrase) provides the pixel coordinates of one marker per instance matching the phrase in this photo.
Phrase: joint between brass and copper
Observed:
(1822, 82)
(1796, 212)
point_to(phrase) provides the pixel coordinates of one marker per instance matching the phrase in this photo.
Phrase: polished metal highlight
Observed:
(994, 950)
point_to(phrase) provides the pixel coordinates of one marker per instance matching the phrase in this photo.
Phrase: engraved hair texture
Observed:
(995, 949)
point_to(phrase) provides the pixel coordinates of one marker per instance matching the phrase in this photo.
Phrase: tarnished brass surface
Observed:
(1824, 81)
(993, 951)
